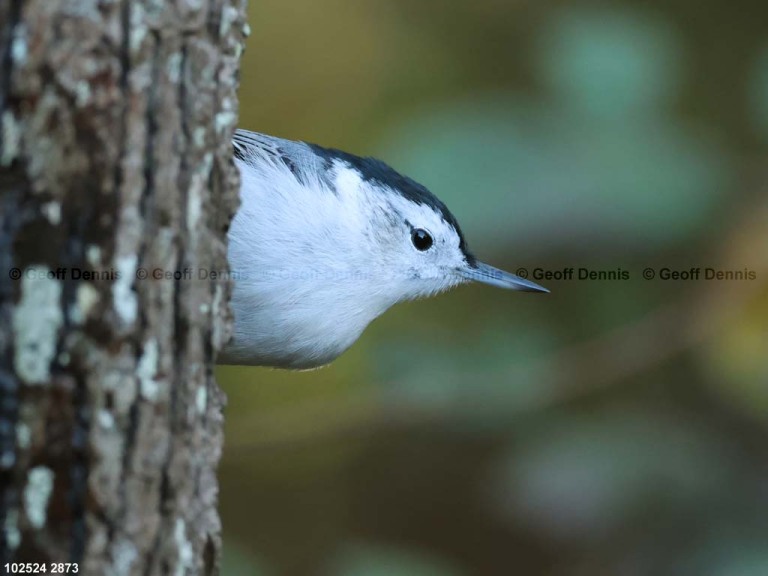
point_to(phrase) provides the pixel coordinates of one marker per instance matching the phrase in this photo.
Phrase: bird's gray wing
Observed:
(298, 157)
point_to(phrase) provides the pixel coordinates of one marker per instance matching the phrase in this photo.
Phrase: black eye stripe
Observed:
(421, 239)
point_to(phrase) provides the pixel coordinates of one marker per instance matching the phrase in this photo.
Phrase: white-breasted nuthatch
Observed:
(324, 242)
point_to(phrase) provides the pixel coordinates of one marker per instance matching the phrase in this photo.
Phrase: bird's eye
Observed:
(421, 239)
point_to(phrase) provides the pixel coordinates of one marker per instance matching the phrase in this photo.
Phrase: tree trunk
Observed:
(115, 167)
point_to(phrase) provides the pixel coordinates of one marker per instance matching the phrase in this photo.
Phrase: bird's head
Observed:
(413, 244)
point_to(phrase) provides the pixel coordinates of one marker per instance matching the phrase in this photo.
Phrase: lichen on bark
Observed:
(115, 157)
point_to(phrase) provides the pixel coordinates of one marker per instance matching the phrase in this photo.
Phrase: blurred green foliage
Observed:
(759, 95)
(609, 428)
(372, 561)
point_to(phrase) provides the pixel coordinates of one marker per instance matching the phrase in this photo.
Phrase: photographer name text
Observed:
(572, 273)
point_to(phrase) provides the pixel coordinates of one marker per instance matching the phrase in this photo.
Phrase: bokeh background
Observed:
(612, 427)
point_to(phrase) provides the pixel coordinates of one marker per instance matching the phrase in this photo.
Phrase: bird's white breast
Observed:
(304, 288)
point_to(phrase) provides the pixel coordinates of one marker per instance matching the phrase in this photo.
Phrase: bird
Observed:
(324, 242)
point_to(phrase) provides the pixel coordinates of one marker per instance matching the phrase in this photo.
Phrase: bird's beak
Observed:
(481, 272)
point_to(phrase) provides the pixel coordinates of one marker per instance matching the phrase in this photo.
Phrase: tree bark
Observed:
(115, 163)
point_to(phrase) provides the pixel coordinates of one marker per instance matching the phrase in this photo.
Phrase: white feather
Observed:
(318, 257)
